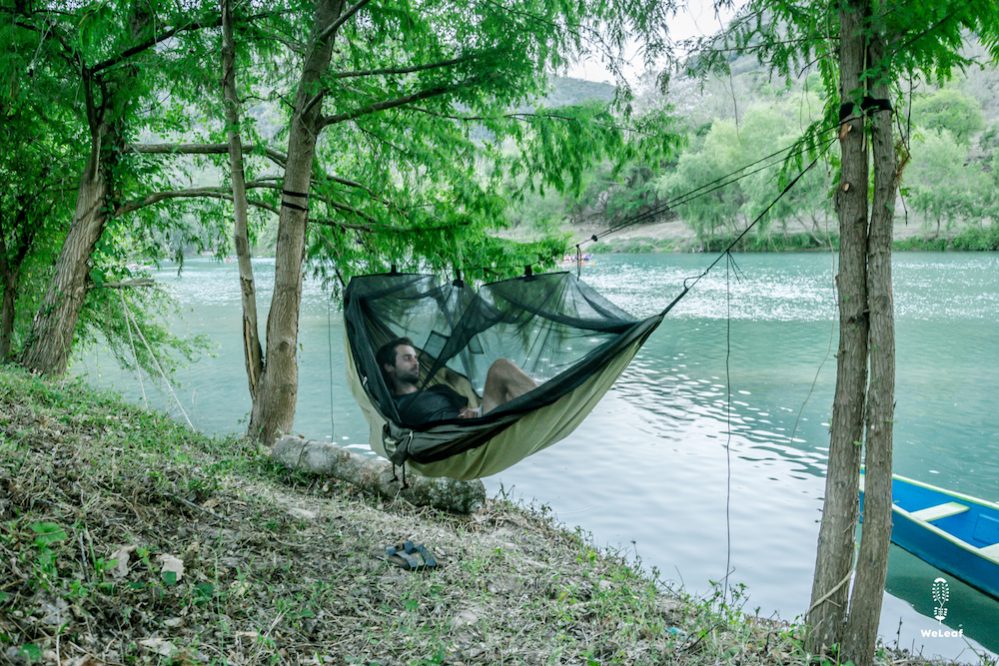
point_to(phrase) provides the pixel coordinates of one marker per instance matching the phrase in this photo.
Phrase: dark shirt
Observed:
(437, 403)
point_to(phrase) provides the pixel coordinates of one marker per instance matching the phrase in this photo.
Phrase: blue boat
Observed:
(956, 533)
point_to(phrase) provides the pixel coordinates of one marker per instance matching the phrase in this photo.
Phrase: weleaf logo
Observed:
(941, 593)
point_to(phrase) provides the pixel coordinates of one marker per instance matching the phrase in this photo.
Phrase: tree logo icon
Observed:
(941, 593)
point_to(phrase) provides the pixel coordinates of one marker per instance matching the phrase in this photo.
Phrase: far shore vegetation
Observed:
(968, 239)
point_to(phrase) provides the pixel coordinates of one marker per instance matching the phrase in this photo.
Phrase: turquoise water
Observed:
(648, 472)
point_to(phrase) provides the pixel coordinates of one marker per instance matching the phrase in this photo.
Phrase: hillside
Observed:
(948, 197)
(125, 538)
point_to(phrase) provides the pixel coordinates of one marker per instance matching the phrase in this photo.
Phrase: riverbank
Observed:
(126, 538)
(674, 236)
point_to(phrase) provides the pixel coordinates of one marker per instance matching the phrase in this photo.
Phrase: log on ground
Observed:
(377, 476)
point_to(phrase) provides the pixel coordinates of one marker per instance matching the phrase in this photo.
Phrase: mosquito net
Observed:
(553, 326)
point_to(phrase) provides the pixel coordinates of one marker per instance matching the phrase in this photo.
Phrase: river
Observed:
(666, 468)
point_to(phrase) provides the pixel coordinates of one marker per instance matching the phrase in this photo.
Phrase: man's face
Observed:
(407, 366)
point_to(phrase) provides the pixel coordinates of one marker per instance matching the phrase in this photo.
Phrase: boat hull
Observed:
(956, 533)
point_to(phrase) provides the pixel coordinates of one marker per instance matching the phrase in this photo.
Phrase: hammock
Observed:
(560, 331)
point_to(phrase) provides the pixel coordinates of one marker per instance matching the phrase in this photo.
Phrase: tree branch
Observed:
(68, 53)
(406, 70)
(153, 41)
(221, 148)
(344, 17)
(201, 149)
(523, 117)
(389, 71)
(436, 91)
(125, 284)
(215, 22)
(226, 194)
(193, 193)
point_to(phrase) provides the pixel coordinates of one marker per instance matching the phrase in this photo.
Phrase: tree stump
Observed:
(377, 476)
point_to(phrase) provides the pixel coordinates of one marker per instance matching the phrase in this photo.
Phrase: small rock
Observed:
(54, 613)
(302, 514)
(465, 618)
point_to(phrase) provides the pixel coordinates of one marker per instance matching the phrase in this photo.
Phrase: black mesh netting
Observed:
(555, 327)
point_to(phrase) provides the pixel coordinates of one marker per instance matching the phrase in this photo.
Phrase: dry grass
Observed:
(280, 568)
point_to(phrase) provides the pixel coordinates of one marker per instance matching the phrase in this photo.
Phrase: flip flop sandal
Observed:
(410, 557)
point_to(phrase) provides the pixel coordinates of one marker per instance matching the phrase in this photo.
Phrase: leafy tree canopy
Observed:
(951, 110)
(433, 126)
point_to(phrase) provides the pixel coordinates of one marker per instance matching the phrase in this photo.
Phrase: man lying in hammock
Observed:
(401, 368)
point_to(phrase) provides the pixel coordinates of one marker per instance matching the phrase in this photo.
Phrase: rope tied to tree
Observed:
(868, 105)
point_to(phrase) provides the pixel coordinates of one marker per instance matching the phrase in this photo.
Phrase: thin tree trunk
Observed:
(252, 353)
(274, 407)
(12, 259)
(51, 337)
(834, 556)
(10, 280)
(872, 564)
(9, 286)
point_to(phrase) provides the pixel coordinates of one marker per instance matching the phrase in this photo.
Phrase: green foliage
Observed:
(951, 110)
(974, 238)
(720, 154)
(942, 184)
(72, 72)
(37, 170)
(718, 194)
(977, 239)
(797, 42)
(793, 37)
(427, 185)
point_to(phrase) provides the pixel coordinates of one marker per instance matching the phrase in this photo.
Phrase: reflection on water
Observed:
(647, 470)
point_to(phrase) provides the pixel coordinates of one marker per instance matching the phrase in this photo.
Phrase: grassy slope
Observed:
(279, 568)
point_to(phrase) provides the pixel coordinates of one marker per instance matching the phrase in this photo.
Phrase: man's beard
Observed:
(412, 378)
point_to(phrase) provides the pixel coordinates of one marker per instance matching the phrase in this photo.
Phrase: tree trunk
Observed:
(51, 338)
(376, 475)
(834, 556)
(252, 353)
(274, 407)
(9, 295)
(7, 313)
(12, 258)
(861, 634)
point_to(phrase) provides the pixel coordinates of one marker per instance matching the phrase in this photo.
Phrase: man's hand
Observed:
(468, 413)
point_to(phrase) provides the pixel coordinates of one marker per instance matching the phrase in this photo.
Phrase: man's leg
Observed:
(504, 382)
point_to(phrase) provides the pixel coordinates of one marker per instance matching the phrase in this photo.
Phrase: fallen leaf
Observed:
(87, 660)
(160, 646)
(121, 557)
(172, 565)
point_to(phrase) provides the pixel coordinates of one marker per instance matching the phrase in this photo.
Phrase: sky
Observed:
(697, 18)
